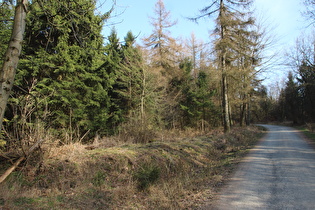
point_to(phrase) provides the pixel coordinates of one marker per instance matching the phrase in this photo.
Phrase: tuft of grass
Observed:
(22, 201)
(147, 175)
(99, 179)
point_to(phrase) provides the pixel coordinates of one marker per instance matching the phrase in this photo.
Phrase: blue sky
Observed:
(283, 16)
(134, 15)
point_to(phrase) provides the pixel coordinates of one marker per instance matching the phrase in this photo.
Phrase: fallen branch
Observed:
(11, 169)
(17, 163)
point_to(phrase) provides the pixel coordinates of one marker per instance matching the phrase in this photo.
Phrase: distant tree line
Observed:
(296, 100)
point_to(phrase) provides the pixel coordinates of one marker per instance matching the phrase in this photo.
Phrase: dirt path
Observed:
(278, 174)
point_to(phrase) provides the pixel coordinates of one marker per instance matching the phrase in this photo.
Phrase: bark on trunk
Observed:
(248, 116)
(11, 57)
(225, 104)
(242, 114)
(225, 98)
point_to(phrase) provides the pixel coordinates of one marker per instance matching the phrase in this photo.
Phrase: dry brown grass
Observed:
(102, 175)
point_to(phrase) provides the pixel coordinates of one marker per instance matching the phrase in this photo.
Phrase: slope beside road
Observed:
(279, 173)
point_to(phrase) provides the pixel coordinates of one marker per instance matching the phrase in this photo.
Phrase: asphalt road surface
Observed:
(278, 174)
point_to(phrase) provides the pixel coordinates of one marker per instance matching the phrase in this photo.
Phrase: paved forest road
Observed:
(278, 174)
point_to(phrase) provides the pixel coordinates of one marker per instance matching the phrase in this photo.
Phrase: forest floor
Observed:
(173, 173)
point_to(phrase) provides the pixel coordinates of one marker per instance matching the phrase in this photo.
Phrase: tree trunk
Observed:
(225, 98)
(11, 57)
(248, 111)
(142, 113)
(225, 104)
(242, 114)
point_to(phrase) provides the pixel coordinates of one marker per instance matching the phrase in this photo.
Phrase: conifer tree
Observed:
(164, 61)
(292, 99)
(196, 104)
(228, 22)
(302, 59)
(60, 65)
(124, 67)
(111, 73)
(306, 82)
(162, 45)
(196, 48)
(244, 78)
(132, 75)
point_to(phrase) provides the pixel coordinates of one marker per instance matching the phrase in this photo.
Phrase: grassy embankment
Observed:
(176, 173)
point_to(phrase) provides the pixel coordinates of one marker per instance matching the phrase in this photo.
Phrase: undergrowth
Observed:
(171, 172)
(308, 131)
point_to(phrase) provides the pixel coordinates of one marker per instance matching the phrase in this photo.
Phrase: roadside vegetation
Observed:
(308, 130)
(181, 171)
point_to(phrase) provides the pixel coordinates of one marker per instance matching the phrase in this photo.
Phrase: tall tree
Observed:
(124, 67)
(12, 54)
(292, 100)
(245, 75)
(133, 76)
(196, 48)
(111, 73)
(162, 45)
(164, 61)
(228, 22)
(306, 81)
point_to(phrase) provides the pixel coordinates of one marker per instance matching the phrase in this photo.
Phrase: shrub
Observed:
(147, 175)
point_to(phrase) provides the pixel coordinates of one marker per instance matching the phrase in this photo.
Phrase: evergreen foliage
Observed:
(306, 82)
(197, 105)
(292, 99)
(59, 66)
(124, 67)
(297, 98)
(6, 20)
